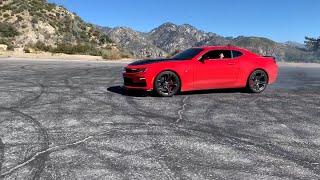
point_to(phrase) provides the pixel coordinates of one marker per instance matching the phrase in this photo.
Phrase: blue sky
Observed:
(280, 20)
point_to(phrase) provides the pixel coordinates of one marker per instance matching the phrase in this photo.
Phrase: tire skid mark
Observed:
(271, 148)
(1, 153)
(278, 118)
(182, 110)
(115, 164)
(108, 163)
(44, 153)
(26, 102)
(111, 163)
(204, 133)
(287, 155)
(70, 84)
(234, 138)
(82, 93)
(43, 138)
(146, 113)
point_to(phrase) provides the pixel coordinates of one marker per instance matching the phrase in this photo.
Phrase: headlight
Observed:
(135, 70)
(140, 70)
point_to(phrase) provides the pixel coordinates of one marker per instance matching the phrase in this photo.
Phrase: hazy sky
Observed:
(280, 20)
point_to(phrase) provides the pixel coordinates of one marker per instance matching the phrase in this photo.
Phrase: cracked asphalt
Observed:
(72, 120)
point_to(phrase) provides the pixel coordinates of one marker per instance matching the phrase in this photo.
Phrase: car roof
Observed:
(223, 47)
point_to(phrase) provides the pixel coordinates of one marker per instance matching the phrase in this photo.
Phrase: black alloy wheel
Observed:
(257, 81)
(167, 84)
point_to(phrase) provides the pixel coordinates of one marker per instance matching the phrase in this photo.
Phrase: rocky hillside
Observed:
(48, 27)
(295, 44)
(170, 37)
(134, 41)
(44, 25)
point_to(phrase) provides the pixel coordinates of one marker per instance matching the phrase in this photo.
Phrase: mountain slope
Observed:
(134, 41)
(39, 21)
(170, 37)
(295, 44)
(48, 27)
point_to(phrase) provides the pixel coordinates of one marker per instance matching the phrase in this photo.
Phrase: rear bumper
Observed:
(273, 74)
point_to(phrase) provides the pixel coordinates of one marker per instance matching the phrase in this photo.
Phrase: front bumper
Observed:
(136, 81)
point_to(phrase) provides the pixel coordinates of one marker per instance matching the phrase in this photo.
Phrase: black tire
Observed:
(167, 84)
(257, 81)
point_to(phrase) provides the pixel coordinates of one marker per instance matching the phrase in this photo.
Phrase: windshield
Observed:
(188, 54)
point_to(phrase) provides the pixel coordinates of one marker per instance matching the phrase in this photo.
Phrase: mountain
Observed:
(48, 27)
(45, 26)
(295, 44)
(134, 41)
(161, 41)
(170, 37)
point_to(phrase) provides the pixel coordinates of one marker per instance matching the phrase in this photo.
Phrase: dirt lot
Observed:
(71, 120)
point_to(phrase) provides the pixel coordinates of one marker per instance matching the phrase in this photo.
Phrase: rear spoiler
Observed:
(274, 58)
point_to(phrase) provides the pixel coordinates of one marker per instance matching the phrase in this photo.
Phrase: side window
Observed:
(236, 54)
(217, 54)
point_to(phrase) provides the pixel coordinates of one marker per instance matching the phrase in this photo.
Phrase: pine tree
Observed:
(312, 44)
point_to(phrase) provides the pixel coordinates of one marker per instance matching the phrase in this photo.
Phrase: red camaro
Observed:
(202, 68)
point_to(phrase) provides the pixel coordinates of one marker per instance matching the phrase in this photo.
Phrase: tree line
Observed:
(313, 44)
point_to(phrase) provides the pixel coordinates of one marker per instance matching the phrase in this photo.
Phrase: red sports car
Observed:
(202, 68)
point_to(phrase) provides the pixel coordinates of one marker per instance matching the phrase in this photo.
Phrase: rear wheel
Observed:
(258, 81)
(167, 84)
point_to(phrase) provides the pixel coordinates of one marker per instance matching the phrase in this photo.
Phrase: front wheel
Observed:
(167, 84)
(258, 81)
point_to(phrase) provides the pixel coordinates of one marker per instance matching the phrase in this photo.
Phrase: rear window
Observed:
(236, 54)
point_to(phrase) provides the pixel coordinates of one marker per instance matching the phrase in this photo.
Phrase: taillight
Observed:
(274, 60)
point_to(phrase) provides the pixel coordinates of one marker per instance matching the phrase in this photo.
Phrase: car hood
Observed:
(150, 61)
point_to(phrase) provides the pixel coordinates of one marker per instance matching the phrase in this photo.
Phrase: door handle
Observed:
(230, 63)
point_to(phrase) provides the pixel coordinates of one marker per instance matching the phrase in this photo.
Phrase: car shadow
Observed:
(214, 91)
(138, 93)
(122, 91)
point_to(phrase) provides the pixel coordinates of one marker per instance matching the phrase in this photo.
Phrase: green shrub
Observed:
(20, 18)
(6, 15)
(8, 30)
(86, 49)
(8, 43)
(51, 6)
(110, 54)
(52, 24)
(103, 39)
(21, 9)
(34, 20)
(42, 46)
(5, 7)
(96, 33)
(126, 55)
(38, 46)
(27, 49)
(84, 36)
